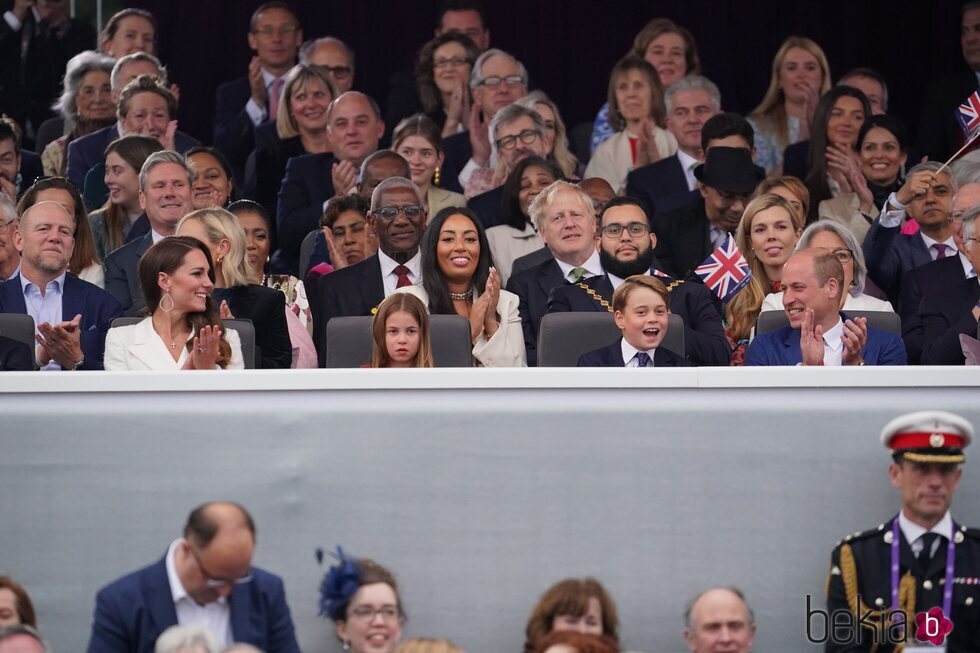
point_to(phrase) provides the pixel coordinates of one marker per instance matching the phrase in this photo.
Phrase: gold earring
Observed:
(435, 177)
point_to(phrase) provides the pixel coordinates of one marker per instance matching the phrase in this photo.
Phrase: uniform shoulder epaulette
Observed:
(973, 533)
(879, 530)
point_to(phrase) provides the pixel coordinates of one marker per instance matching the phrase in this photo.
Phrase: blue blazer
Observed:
(131, 612)
(660, 186)
(891, 255)
(612, 356)
(121, 278)
(97, 308)
(306, 185)
(85, 152)
(782, 347)
(920, 284)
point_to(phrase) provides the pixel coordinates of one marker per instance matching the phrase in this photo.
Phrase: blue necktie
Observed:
(642, 359)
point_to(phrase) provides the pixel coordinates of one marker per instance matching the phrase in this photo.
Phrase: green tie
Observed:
(577, 274)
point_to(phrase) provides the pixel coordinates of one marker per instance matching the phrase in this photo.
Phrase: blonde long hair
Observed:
(222, 225)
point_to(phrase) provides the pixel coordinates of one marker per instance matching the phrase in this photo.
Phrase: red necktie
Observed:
(402, 272)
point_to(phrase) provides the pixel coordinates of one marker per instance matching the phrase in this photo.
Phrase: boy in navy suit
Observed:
(641, 305)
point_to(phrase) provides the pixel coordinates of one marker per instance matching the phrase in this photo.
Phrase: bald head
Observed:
(719, 619)
(210, 520)
(354, 125)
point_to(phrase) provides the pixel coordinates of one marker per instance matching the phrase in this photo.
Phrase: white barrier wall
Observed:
(479, 488)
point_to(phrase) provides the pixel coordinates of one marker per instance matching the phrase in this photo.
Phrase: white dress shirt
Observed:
(388, 276)
(913, 532)
(592, 267)
(833, 345)
(688, 164)
(630, 352)
(256, 113)
(46, 308)
(216, 616)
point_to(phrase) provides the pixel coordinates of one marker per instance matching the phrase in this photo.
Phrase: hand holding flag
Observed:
(725, 271)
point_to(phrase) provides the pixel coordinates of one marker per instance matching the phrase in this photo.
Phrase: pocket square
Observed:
(92, 327)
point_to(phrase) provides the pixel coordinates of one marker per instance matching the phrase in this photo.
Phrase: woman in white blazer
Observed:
(517, 235)
(419, 140)
(183, 331)
(637, 113)
(458, 279)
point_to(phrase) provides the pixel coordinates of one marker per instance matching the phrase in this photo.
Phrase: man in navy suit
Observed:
(165, 195)
(243, 104)
(359, 288)
(565, 218)
(206, 578)
(71, 316)
(925, 197)
(354, 126)
(818, 333)
(625, 246)
(89, 150)
(640, 306)
(670, 183)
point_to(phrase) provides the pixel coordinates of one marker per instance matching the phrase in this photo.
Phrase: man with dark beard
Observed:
(625, 244)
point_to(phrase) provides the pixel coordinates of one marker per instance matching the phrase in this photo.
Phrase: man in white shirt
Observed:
(206, 578)
(918, 561)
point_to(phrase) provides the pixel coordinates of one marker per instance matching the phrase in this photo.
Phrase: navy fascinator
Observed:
(339, 585)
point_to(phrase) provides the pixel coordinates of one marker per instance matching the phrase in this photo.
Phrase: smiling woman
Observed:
(579, 605)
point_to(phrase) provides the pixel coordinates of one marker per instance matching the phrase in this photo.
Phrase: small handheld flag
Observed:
(725, 271)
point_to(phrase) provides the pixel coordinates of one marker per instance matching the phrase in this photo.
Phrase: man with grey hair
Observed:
(719, 619)
(946, 312)
(9, 256)
(398, 218)
(334, 56)
(496, 80)
(924, 197)
(22, 638)
(518, 132)
(187, 638)
(690, 102)
(89, 150)
(165, 196)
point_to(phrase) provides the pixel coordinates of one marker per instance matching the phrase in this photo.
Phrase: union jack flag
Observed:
(968, 115)
(725, 271)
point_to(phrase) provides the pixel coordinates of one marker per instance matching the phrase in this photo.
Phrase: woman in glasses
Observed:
(361, 597)
(442, 76)
(831, 236)
(458, 278)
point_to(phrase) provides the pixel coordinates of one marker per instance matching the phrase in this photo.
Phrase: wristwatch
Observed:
(78, 365)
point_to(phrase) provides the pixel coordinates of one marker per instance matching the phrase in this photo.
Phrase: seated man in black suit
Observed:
(398, 219)
(925, 197)
(354, 126)
(640, 306)
(625, 246)
(686, 236)
(71, 316)
(565, 218)
(518, 132)
(243, 104)
(15, 356)
(89, 150)
(18, 168)
(669, 183)
(947, 312)
(497, 79)
(165, 195)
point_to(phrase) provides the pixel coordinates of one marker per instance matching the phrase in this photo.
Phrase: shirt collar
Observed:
(687, 161)
(58, 282)
(156, 236)
(913, 531)
(949, 242)
(268, 78)
(592, 266)
(389, 264)
(968, 270)
(629, 351)
(832, 336)
(177, 590)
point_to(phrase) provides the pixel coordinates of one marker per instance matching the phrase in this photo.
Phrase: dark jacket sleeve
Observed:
(889, 351)
(274, 349)
(758, 352)
(884, 267)
(94, 345)
(836, 603)
(941, 339)
(109, 632)
(281, 635)
(116, 283)
(518, 286)
(234, 133)
(705, 342)
(297, 214)
(16, 356)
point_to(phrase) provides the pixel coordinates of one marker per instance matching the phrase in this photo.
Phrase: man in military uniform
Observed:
(887, 585)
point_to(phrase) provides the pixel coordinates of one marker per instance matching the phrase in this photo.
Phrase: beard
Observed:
(625, 269)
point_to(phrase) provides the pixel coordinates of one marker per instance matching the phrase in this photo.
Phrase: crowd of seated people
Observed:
(294, 144)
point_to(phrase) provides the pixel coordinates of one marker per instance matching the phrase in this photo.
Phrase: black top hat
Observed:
(729, 169)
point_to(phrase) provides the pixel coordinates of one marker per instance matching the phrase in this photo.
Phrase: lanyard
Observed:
(950, 561)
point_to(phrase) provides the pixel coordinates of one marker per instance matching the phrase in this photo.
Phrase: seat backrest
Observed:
(19, 327)
(349, 341)
(306, 252)
(564, 337)
(883, 320)
(245, 329)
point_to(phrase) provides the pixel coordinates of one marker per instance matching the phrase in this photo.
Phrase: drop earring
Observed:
(435, 177)
(166, 296)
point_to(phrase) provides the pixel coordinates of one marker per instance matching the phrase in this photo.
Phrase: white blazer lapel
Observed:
(148, 348)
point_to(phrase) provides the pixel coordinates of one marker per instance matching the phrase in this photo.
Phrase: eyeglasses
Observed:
(634, 229)
(527, 137)
(389, 213)
(210, 580)
(843, 255)
(269, 32)
(510, 80)
(451, 61)
(366, 613)
(971, 240)
(338, 72)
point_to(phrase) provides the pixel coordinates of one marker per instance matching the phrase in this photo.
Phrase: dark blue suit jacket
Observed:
(683, 239)
(234, 133)
(30, 169)
(15, 356)
(458, 151)
(305, 187)
(660, 186)
(612, 356)
(782, 347)
(704, 336)
(97, 308)
(891, 255)
(131, 612)
(487, 206)
(923, 282)
(85, 152)
(796, 158)
(353, 290)
(942, 317)
(121, 279)
(532, 287)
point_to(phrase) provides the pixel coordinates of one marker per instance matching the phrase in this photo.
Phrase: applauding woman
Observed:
(443, 78)
(458, 279)
(183, 330)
